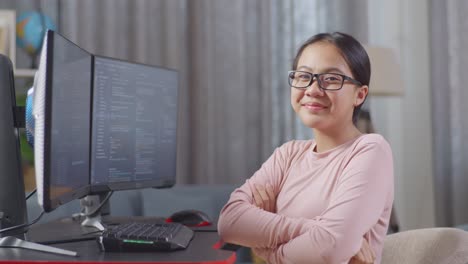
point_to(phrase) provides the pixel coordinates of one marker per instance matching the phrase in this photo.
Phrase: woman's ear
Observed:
(361, 94)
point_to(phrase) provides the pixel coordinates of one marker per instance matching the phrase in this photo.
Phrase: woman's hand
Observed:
(264, 197)
(365, 254)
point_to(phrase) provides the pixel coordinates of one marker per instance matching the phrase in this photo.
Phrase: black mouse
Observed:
(190, 217)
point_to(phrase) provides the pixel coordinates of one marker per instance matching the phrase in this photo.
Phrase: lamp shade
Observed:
(386, 77)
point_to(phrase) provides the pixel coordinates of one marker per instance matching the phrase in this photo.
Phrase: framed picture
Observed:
(8, 34)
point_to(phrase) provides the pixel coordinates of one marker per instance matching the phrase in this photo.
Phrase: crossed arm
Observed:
(334, 236)
(264, 198)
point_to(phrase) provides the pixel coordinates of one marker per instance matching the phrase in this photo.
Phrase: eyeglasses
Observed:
(326, 81)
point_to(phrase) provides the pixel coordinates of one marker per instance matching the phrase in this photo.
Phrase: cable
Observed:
(22, 225)
(31, 194)
(96, 211)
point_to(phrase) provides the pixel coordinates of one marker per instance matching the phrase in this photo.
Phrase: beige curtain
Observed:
(449, 33)
(232, 57)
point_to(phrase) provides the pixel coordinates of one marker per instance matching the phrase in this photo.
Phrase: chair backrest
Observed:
(428, 246)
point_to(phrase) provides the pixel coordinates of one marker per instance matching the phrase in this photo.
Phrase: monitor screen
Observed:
(67, 126)
(134, 125)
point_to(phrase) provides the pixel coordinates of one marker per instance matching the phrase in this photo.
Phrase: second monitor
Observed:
(134, 121)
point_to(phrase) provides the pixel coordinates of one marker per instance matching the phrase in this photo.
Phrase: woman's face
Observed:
(325, 109)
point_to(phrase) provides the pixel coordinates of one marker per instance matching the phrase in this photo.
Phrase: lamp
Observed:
(385, 72)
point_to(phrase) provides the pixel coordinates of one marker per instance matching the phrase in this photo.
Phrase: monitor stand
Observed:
(89, 204)
(80, 226)
(15, 242)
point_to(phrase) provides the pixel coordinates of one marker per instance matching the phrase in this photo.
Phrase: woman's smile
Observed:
(314, 107)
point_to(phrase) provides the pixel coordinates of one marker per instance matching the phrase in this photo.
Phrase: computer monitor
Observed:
(102, 124)
(62, 110)
(134, 126)
(12, 197)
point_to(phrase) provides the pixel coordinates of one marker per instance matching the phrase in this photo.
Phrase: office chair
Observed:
(426, 246)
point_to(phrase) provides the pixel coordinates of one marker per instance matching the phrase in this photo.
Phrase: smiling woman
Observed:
(328, 199)
(333, 61)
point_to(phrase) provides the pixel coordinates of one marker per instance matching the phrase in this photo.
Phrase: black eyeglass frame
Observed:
(316, 76)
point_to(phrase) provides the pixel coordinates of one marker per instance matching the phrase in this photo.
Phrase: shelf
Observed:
(25, 73)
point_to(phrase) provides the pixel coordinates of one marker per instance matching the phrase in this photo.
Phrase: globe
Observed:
(30, 29)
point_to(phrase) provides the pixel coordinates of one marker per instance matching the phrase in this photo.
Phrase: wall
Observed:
(406, 121)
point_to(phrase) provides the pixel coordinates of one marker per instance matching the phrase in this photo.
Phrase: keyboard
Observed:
(145, 237)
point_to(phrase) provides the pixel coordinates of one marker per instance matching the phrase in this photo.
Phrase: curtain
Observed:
(232, 57)
(450, 125)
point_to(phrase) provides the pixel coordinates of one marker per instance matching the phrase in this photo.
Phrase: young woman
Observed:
(325, 200)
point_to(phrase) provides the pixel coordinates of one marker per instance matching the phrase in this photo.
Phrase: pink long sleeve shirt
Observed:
(326, 203)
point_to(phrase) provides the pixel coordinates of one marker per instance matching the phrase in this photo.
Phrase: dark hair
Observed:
(352, 51)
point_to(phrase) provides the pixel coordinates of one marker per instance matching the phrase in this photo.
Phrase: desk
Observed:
(204, 249)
